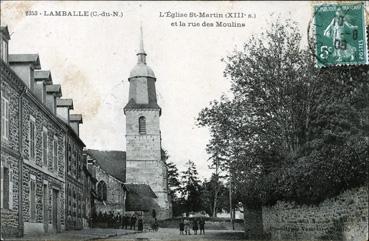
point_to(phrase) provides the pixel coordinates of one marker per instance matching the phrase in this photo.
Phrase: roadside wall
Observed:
(344, 217)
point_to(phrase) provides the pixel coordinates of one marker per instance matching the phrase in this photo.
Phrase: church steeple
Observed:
(142, 92)
(144, 164)
(141, 69)
(141, 52)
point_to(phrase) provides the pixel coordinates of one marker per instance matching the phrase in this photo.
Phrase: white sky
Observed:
(92, 57)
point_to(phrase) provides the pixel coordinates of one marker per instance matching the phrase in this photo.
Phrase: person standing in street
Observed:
(187, 227)
(202, 225)
(181, 226)
(133, 222)
(195, 226)
(126, 221)
(140, 224)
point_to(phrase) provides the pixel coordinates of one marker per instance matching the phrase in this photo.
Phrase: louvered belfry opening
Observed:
(142, 125)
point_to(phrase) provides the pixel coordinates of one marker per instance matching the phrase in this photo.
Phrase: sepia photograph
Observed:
(184, 120)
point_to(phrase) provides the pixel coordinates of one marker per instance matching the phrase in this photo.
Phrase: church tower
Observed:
(144, 164)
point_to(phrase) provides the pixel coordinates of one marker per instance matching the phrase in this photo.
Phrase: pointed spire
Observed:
(141, 53)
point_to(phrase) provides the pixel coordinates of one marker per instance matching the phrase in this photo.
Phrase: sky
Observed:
(91, 58)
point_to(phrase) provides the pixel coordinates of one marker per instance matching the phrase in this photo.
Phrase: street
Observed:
(122, 234)
(173, 234)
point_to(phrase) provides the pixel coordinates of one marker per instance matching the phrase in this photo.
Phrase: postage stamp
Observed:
(340, 34)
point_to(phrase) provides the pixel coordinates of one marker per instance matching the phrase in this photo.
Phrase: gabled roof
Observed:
(55, 89)
(113, 162)
(43, 75)
(64, 103)
(75, 118)
(25, 58)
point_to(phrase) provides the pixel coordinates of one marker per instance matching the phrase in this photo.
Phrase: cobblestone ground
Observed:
(173, 234)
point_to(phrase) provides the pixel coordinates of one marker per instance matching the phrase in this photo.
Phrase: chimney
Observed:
(42, 78)
(63, 106)
(52, 92)
(4, 38)
(24, 65)
(74, 121)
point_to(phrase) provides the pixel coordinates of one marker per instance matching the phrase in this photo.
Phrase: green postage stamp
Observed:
(340, 34)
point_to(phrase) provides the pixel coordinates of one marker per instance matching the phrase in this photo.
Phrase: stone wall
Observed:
(344, 217)
(115, 194)
(152, 173)
(9, 223)
(253, 223)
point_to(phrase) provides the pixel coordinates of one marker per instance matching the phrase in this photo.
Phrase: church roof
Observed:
(133, 105)
(113, 162)
(140, 197)
(143, 190)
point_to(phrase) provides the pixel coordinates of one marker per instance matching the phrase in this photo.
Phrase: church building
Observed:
(141, 169)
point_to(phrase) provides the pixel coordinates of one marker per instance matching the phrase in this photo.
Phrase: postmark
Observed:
(340, 34)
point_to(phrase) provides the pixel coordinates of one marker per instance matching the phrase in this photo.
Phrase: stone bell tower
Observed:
(144, 164)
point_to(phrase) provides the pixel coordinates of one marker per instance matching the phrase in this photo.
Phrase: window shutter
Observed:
(55, 154)
(32, 133)
(5, 187)
(1, 186)
(7, 129)
(44, 147)
(32, 202)
(10, 190)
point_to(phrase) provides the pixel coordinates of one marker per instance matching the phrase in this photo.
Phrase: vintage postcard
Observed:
(184, 120)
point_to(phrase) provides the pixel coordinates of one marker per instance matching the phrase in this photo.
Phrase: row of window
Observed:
(45, 145)
(5, 130)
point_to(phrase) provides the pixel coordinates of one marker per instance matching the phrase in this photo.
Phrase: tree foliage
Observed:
(190, 189)
(290, 131)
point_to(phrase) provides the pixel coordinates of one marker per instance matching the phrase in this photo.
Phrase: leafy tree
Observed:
(289, 127)
(173, 180)
(190, 189)
(173, 185)
(212, 195)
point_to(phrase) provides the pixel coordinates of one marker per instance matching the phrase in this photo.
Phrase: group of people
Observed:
(113, 220)
(197, 224)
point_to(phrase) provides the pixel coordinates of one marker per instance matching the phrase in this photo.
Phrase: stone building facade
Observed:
(34, 137)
